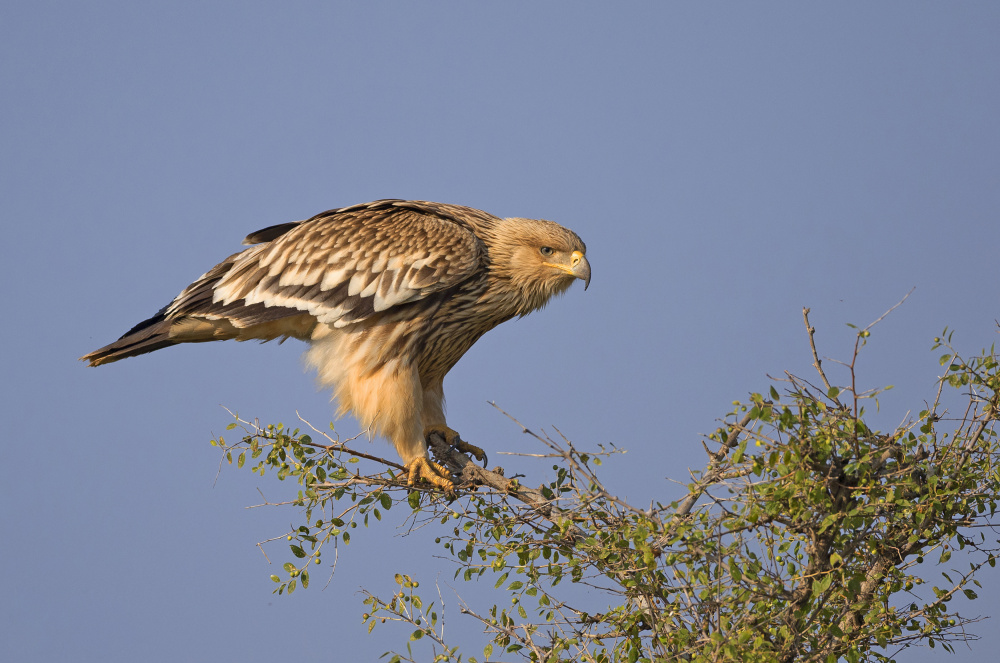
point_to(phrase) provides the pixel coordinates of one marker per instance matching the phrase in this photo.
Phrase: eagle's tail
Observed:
(183, 320)
(147, 336)
(194, 317)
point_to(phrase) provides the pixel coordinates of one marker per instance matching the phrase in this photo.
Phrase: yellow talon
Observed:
(454, 439)
(424, 468)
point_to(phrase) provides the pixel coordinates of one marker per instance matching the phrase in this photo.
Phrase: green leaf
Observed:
(822, 584)
(297, 551)
(970, 594)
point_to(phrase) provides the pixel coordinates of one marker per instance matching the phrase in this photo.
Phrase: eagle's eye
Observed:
(546, 250)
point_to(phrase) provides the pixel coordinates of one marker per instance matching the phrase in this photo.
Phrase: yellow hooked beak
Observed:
(578, 266)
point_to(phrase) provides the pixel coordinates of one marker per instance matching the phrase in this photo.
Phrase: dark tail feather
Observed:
(194, 316)
(155, 333)
(147, 336)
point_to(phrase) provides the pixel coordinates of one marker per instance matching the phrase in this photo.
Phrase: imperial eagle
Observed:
(389, 295)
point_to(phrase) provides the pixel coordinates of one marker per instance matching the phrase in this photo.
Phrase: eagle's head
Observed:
(536, 260)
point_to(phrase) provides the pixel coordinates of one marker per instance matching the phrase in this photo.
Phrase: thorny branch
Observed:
(790, 544)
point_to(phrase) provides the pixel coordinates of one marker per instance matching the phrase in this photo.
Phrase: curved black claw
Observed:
(471, 449)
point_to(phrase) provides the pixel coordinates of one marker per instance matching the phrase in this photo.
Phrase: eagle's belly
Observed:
(449, 335)
(442, 348)
(384, 374)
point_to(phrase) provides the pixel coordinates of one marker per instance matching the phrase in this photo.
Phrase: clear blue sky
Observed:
(726, 165)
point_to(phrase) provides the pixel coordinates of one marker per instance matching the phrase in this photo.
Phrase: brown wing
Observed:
(339, 267)
(345, 265)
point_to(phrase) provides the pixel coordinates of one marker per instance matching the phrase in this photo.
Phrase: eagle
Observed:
(389, 295)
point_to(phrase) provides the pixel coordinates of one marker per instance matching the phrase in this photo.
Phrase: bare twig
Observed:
(817, 362)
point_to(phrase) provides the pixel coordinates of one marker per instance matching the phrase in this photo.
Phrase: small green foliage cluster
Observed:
(324, 474)
(406, 606)
(809, 535)
(835, 519)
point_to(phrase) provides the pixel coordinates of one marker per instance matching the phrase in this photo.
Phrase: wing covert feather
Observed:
(349, 264)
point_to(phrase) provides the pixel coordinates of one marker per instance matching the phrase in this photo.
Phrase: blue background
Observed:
(727, 164)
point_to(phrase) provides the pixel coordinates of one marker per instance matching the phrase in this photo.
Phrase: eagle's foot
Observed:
(424, 468)
(454, 439)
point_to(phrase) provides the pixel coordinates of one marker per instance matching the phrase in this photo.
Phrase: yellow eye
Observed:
(546, 250)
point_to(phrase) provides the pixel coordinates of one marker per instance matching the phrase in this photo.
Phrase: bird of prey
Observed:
(389, 295)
